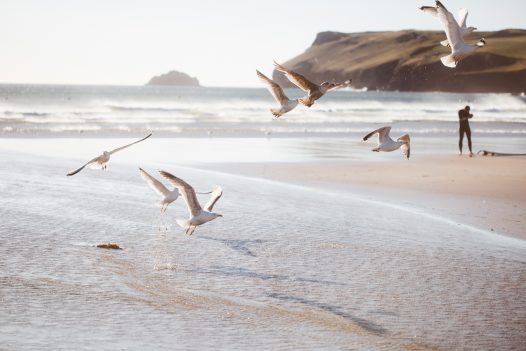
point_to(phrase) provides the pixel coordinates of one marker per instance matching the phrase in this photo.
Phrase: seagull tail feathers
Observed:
(183, 223)
(444, 43)
(449, 61)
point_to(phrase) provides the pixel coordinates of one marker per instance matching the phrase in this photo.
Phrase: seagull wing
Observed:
(125, 146)
(383, 134)
(186, 191)
(430, 10)
(296, 78)
(156, 185)
(406, 149)
(81, 168)
(274, 88)
(406, 146)
(452, 29)
(216, 194)
(462, 16)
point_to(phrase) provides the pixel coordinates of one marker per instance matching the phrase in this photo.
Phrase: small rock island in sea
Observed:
(174, 78)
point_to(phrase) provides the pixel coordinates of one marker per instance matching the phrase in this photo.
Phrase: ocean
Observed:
(66, 110)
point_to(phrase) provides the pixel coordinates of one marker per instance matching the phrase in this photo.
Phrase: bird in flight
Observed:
(168, 196)
(459, 49)
(101, 160)
(385, 143)
(197, 214)
(276, 90)
(314, 91)
(462, 17)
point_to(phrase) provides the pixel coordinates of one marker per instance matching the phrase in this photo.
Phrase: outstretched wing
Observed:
(296, 78)
(81, 168)
(156, 185)
(274, 88)
(430, 10)
(186, 191)
(125, 146)
(216, 194)
(462, 16)
(406, 146)
(383, 134)
(453, 34)
(406, 149)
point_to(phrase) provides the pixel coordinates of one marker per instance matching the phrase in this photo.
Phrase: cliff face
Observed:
(410, 61)
(174, 78)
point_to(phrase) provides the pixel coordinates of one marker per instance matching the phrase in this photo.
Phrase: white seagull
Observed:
(102, 160)
(462, 16)
(385, 143)
(168, 196)
(198, 215)
(276, 91)
(314, 91)
(459, 49)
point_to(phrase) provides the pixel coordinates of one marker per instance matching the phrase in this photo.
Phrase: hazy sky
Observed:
(220, 42)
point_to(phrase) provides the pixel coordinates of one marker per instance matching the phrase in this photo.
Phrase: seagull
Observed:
(169, 196)
(198, 215)
(314, 91)
(459, 49)
(102, 160)
(462, 16)
(385, 143)
(276, 91)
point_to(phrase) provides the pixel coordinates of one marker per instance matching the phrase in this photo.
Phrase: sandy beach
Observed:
(487, 192)
(310, 254)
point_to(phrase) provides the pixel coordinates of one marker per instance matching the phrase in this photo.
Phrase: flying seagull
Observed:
(276, 91)
(462, 16)
(168, 196)
(198, 215)
(459, 49)
(385, 143)
(314, 91)
(102, 160)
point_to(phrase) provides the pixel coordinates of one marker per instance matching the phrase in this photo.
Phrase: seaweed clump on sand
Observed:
(112, 246)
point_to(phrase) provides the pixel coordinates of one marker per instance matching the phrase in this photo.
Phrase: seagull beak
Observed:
(220, 215)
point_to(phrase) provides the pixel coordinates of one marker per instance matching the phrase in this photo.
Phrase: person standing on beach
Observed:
(463, 120)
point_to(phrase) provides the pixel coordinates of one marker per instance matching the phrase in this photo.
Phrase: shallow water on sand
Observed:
(286, 268)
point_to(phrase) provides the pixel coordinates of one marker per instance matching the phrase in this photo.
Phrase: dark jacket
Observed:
(463, 118)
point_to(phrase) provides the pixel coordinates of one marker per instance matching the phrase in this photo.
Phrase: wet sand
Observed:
(296, 263)
(487, 192)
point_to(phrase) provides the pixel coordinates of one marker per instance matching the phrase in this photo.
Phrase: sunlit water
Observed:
(286, 268)
(66, 110)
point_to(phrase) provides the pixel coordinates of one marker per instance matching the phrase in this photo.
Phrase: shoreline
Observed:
(484, 192)
(445, 185)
